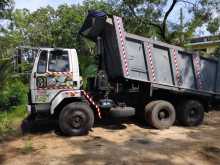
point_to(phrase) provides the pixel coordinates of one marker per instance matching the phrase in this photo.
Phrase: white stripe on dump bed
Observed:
(196, 61)
(176, 67)
(122, 41)
(149, 58)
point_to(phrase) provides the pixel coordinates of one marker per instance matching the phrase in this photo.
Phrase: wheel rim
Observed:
(76, 120)
(193, 114)
(163, 114)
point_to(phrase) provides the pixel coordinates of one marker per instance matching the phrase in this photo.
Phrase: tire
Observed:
(190, 113)
(160, 114)
(76, 119)
(147, 109)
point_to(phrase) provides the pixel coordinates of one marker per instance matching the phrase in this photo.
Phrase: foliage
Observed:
(13, 93)
(6, 7)
(28, 147)
(213, 26)
(141, 17)
(8, 42)
(150, 18)
(217, 52)
(10, 119)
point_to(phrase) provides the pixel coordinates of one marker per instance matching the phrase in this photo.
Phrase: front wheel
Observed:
(76, 119)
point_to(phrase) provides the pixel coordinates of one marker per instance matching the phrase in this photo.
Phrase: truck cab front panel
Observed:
(54, 70)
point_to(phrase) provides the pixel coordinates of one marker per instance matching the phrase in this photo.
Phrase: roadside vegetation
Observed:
(10, 121)
(13, 98)
(27, 148)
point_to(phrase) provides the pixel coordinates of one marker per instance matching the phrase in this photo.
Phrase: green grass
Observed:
(28, 147)
(10, 121)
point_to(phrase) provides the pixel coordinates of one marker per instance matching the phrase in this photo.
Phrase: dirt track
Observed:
(113, 144)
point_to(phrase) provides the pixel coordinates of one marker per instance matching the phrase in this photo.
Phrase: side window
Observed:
(58, 61)
(42, 63)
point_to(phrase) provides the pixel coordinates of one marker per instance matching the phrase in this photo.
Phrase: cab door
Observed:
(53, 75)
(39, 78)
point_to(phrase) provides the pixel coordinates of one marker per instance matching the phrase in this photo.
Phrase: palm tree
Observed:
(4, 72)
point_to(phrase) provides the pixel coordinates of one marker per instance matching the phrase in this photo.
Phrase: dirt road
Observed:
(128, 143)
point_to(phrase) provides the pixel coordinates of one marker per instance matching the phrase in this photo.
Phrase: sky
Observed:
(35, 4)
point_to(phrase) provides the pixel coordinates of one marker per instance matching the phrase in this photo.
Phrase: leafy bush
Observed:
(10, 121)
(13, 93)
(217, 52)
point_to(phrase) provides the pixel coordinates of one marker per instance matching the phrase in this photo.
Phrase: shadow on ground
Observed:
(40, 126)
(51, 125)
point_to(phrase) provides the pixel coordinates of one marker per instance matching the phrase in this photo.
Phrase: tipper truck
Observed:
(136, 76)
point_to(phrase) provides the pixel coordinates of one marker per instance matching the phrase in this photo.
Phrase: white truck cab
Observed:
(54, 71)
(55, 80)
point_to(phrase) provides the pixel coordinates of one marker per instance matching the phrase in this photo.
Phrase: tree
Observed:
(40, 24)
(213, 26)
(140, 16)
(150, 17)
(66, 26)
(214, 4)
(49, 27)
(217, 52)
(10, 37)
(4, 71)
(214, 23)
(6, 7)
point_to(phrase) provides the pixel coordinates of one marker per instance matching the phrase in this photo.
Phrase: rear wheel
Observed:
(76, 119)
(160, 114)
(190, 113)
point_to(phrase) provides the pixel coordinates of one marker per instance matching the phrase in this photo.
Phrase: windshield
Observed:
(58, 61)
